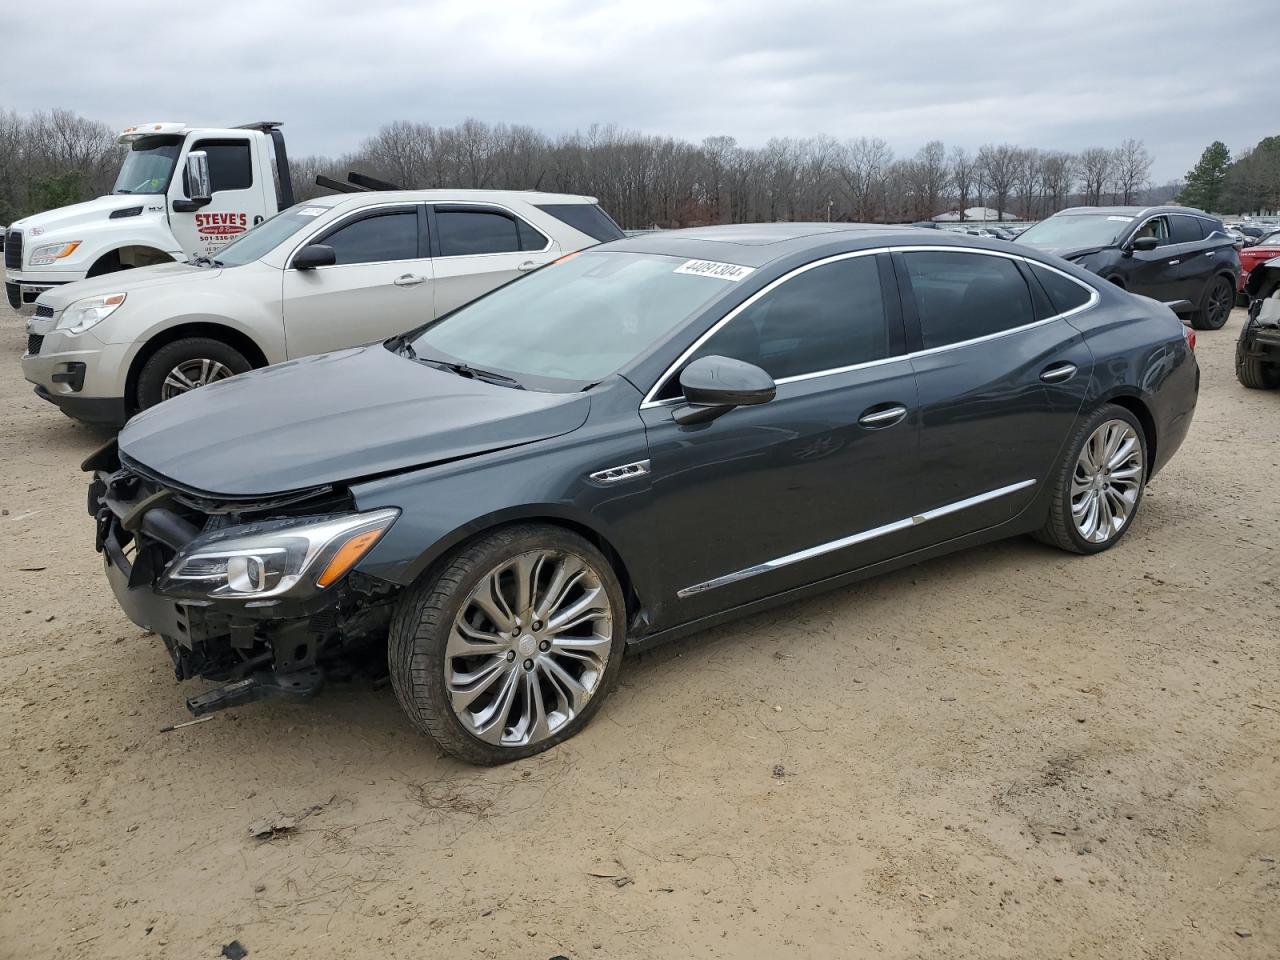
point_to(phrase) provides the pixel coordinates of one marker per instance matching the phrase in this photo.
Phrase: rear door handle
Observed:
(409, 280)
(880, 416)
(527, 266)
(1211, 253)
(1058, 373)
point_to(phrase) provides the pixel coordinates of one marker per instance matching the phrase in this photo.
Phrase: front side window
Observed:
(230, 164)
(470, 232)
(148, 165)
(962, 296)
(1157, 227)
(577, 320)
(378, 238)
(825, 318)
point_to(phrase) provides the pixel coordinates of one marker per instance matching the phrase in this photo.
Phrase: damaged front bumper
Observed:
(255, 647)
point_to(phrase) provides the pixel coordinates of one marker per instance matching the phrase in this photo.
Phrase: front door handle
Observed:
(1174, 263)
(880, 416)
(1058, 373)
(1211, 253)
(409, 280)
(527, 266)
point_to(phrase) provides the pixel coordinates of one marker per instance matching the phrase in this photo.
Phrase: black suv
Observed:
(1166, 253)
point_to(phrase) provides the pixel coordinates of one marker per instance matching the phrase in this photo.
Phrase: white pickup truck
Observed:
(155, 213)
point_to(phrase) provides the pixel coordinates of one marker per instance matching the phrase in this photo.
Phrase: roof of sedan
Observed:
(756, 244)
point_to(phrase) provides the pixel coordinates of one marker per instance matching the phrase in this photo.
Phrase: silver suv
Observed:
(330, 273)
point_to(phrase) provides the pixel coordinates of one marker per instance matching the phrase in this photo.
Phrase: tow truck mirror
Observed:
(196, 179)
(314, 255)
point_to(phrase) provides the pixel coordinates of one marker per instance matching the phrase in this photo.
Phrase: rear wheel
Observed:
(1215, 305)
(512, 646)
(184, 365)
(1254, 372)
(1098, 486)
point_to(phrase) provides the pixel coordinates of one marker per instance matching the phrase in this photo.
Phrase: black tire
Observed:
(1059, 529)
(425, 615)
(1215, 305)
(150, 388)
(1254, 372)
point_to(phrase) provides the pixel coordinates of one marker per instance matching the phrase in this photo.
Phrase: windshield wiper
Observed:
(472, 373)
(200, 260)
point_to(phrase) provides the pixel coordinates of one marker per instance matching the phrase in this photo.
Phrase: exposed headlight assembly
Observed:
(47, 253)
(262, 560)
(83, 314)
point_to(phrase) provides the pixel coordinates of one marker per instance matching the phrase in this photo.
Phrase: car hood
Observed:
(1065, 252)
(128, 281)
(336, 417)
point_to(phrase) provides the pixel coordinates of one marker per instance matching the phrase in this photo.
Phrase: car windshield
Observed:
(268, 235)
(1270, 240)
(578, 320)
(1077, 230)
(148, 165)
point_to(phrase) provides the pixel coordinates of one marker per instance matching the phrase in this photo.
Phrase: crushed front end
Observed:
(256, 594)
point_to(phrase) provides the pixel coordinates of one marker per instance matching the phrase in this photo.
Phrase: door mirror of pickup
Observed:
(314, 255)
(715, 385)
(1143, 244)
(199, 185)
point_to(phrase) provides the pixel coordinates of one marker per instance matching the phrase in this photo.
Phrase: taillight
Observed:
(1189, 335)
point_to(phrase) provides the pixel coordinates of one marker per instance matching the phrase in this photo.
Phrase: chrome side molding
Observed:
(853, 539)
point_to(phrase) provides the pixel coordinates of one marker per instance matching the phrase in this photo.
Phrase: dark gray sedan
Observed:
(633, 443)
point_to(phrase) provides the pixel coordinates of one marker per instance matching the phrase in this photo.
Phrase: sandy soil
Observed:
(1006, 753)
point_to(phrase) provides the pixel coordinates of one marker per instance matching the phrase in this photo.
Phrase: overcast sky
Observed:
(1176, 74)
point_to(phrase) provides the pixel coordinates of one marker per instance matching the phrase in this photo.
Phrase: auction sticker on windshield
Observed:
(710, 268)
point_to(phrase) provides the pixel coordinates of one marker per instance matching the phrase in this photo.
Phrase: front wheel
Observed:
(184, 365)
(1215, 305)
(1097, 488)
(511, 646)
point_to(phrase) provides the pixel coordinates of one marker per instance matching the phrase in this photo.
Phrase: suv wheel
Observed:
(512, 646)
(1254, 372)
(1098, 486)
(184, 365)
(1215, 305)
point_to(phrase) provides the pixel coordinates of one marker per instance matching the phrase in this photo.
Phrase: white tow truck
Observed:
(182, 192)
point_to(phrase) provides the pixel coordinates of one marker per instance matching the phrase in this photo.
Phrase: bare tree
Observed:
(1132, 169)
(964, 173)
(1096, 164)
(999, 166)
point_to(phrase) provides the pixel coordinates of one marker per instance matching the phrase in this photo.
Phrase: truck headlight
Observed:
(49, 252)
(260, 560)
(83, 314)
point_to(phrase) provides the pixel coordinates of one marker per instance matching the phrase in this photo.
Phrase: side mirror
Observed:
(314, 255)
(196, 179)
(715, 385)
(1144, 244)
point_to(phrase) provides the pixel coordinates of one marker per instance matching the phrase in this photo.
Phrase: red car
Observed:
(1265, 249)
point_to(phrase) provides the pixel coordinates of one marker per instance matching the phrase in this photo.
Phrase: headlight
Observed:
(50, 252)
(261, 560)
(83, 314)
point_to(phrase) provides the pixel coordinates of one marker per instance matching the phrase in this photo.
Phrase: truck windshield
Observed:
(577, 320)
(1077, 230)
(149, 165)
(268, 235)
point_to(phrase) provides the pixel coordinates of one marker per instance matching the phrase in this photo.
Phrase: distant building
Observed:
(974, 213)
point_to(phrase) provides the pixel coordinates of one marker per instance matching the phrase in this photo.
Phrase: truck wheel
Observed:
(1215, 305)
(185, 365)
(1254, 372)
(511, 646)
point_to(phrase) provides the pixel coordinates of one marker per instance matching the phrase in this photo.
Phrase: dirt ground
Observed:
(1007, 753)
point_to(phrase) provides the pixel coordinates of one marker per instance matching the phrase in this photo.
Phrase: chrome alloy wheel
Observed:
(191, 374)
(528, 648)
(1107, 481)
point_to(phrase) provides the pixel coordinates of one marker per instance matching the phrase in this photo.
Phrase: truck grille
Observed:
(13, 250)
(34, 342)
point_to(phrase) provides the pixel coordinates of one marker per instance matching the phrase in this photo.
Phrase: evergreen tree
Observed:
(1205, 179)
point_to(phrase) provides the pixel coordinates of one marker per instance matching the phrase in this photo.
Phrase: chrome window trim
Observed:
(862, 537)
(1094, 297)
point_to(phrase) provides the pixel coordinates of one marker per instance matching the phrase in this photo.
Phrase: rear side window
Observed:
(586, 218)
(230, 167)
(377, 239)
(827, 317)
(470, 232)
(961, 296)
(1185, 230)
(1064, 293)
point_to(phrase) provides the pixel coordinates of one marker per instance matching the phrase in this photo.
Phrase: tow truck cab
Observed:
(181, 192)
